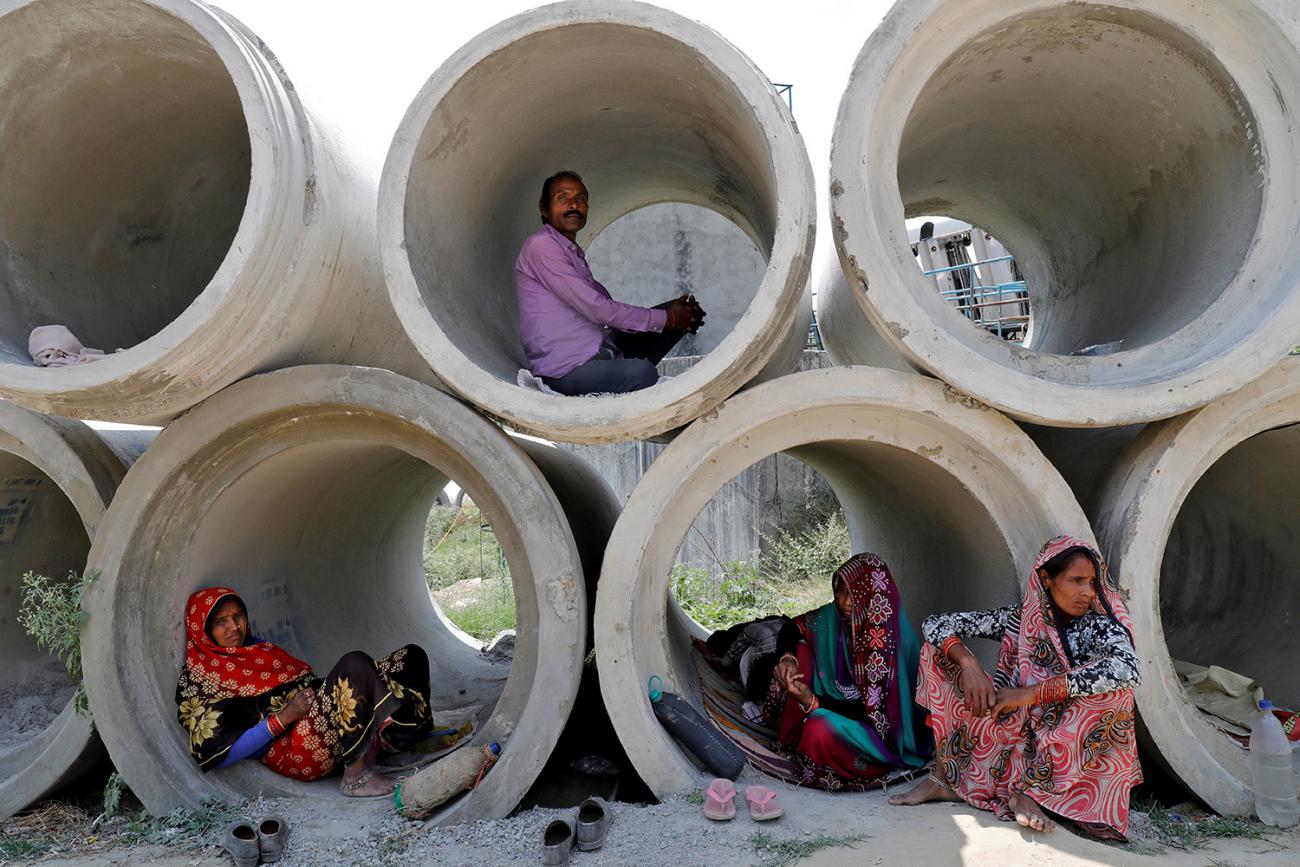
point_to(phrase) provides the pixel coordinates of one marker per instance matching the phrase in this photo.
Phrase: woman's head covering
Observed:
(879, 648)
(225, 690)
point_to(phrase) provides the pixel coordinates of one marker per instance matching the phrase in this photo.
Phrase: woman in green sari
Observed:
(842, 692)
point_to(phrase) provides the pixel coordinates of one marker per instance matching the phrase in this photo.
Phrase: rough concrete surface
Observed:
(308, 490)
(1198, 518)
(172, 191)
(658, 108)
(57, 476)
(1135, 157)
(951, 493)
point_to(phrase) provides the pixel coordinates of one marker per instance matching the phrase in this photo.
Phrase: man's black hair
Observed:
(544, 203)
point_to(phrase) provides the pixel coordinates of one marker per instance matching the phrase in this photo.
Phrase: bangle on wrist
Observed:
(788, 655)
(1052, 691)
(274, 725)
(948, 644)
(812, 706)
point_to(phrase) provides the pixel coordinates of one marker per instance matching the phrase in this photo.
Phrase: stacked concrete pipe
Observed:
(167, 192)
(1199, 519)
(1138, 158)
(308, 490)
(950, 492)
(66, 475)
(648, 107)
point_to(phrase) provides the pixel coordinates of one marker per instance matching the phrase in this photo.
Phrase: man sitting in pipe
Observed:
(578, 339)
(1052, 730)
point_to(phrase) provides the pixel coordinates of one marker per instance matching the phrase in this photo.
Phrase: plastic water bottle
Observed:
(1270, 766)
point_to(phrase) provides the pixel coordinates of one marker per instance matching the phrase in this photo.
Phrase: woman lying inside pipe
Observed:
(1052, 730)
(841, 694)
(241, 697)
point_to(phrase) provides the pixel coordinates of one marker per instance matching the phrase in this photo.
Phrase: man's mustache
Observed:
(573, 213)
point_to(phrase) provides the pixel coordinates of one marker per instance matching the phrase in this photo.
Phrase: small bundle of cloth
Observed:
(748, 651)
(56, 346)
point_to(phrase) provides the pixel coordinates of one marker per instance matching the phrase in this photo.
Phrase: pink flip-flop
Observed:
(762, 804)
(720, 800)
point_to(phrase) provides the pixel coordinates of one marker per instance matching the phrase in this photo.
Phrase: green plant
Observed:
(740, 592)
(51, 613)
(458, 545)
(780, 853)
(488, 612)
(113, 790)
(1188, 830)
(808, 554)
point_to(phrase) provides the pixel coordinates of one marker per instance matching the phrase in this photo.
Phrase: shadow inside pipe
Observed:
(126, 171)
(1052, 131)
(41, 533)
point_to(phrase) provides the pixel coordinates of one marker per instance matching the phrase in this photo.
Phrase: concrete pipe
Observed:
(1199, 518)
(57, 477)
(951, 493)
(308, 490)
(166, 193)
(655, 108)
(1138, 158)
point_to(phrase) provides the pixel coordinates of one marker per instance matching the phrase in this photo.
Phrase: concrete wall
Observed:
(662, 251)
(778, 491)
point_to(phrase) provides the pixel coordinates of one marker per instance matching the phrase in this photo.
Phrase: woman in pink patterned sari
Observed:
(1052, 730)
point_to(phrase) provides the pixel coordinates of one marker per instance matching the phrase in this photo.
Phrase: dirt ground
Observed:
(675, 834)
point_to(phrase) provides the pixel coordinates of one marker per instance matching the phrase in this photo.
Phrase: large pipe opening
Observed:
(1230, 579)
(1199, 517)
(57, 477)
(42, 533)
(309, 491)
(1128, 157)
(656, 109)
(126, 171)
(954, 497)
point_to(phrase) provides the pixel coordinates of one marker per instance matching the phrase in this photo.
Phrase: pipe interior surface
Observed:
(644, 120)
(1230, 578)
(951, 495)
(126, 166)
(43, 533)
(649, 108)
(1112, 152)
(308, 490)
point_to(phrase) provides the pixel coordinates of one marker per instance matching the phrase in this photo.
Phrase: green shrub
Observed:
(810, 554)
(51, 613)
(488, 612)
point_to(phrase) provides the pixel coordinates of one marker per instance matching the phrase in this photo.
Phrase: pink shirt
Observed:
(563, 311)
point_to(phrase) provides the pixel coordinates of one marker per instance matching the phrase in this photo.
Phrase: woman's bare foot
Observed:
(925, 791)
(1029, 814)
(365, 783)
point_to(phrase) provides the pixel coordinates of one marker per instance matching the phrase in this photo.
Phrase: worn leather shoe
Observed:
(594, 819)
(557, 842)
(241, 842)
(272, 834)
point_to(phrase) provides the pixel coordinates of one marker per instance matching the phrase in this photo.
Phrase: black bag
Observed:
(697, 734)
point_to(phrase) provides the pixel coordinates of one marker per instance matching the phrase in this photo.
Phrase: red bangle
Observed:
(1052, 691)
(948, 644)
(273, 723)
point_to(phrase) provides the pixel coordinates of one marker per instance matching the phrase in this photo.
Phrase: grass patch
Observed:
(485, 612)
(780, 853)
(791, 578)
(459, 544)
(1184, 830)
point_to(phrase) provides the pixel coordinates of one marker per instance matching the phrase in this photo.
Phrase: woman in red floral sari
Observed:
(240, 697)
(1052, 730)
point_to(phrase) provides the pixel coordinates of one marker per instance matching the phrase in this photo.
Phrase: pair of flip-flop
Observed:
(250, 843)
(720, 802)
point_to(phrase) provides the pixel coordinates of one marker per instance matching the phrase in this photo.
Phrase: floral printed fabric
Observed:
(224, 691)
(1103, 652)
(1077, 758)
